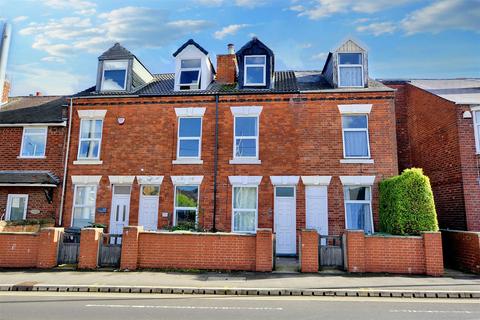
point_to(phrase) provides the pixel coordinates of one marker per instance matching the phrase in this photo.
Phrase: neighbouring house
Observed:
(33, 131)
(234, 148)
(438, 129)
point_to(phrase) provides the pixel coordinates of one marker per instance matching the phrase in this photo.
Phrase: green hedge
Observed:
(406, 204)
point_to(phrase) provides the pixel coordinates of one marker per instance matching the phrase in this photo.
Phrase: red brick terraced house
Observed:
(234, 148)
(33, 133)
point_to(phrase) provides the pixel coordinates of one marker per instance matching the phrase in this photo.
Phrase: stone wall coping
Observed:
(462, 231)
(19, 233)
(202, 234)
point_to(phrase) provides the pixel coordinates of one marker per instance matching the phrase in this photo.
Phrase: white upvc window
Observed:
(255, 67)
(246, 137)
(350, 70)
(189, 142)
(190, 74)
(245, 208)
(186, 204)
(90, 139)
(476, 127)
(34, 142)
(85, 197)
(355, 136)
(358, 208)
(16, 207)
(114, 77)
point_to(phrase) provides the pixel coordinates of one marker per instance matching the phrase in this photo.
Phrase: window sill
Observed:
(88, 162)
(187, 161)
(245, 161)
(366, 161)
(31, 158)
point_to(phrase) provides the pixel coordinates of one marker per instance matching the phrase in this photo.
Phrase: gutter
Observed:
(28, 185)
(215, 167)
(36, 124)
(67, 151)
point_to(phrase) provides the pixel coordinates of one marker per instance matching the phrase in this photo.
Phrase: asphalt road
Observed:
(29, 305)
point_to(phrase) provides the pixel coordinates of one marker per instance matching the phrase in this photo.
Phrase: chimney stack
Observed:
(4, 48)
(5, 92)
(227, 66)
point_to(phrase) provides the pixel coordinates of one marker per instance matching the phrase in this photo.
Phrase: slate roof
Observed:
(28, 177)
(459, 91)
(49, 112)
(190, 42)
(116, 52)
(26, 102)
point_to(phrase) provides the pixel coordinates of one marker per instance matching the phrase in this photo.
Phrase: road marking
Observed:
(435, 311)
(181, 307)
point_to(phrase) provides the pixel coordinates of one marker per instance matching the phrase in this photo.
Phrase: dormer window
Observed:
(114, 76)
(255, 70)
(350, 70)
(190, 72)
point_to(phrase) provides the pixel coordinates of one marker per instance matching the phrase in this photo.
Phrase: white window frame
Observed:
(235, 157)
(246, 210)
(175, 208)
(76, 186)
(245, 68)
(45, 129)
(80, 139)
(9, 205)
(179, 157)
(199, 69)
(369, 202)
(368, 156)
(339, 66)
(110, 68)
(476, 128)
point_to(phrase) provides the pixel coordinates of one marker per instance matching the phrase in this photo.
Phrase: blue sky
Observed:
(56, 43)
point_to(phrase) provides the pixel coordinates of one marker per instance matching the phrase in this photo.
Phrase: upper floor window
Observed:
(90, 138)
(355, 136)
(189, 137)
(33, 142)
(246, 137)
(255, 70)
(114, 75)
(350, 70)
(476, 123)
(358, 208)
(190, 72)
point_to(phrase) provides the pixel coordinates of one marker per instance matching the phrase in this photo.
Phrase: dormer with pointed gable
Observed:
(120, 70)
(193, 68)
(256, 64)
(347, 66)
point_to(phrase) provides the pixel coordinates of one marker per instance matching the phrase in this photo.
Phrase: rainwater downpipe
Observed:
(67, 151)
(215, 167)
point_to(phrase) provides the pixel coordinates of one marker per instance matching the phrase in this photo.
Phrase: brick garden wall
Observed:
(462, 250)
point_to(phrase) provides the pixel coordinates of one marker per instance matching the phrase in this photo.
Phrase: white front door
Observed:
(148, 209)
(285, 220)
(120, 212)
(16, 207)
(316, 207)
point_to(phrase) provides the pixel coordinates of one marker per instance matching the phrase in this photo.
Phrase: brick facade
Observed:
(461, 250)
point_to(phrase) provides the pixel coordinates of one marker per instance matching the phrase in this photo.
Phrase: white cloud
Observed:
(229, 30)
(377, 28)
(20, 18)
(239, 3)
(320, 56)
(79, 6)
(306, 45)
(444, 15)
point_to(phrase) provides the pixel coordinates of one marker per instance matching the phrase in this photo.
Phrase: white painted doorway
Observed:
(285, 211)
(148, 209)
(316, 207)
(120, 213)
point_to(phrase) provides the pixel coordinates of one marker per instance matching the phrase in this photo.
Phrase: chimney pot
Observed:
(231, 48)
(38, 94)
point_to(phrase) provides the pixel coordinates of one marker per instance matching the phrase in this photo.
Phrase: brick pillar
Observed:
(129, 258)
(48, 247)
(264, 250)
(355, 250)
(89, 248)
(432, 242)
(308, 251)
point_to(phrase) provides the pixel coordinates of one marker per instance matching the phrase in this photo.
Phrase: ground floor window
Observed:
(84, 205)
(186, 205)
(245, 209)
(358, 208)
(17, 207)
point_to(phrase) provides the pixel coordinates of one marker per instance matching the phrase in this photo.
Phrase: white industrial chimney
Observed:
(4, 47)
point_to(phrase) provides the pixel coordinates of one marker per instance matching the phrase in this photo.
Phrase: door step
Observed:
(286, 265)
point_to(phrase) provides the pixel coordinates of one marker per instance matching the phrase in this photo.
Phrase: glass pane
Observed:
(244, 198)
(350, 58)
(149, 190)
(121, 189)
(115, 65)
(254, 75)
(41, 131)
(354, 122)
(285, 192)
(17, 208)
(89, 149)
(85, 213)
(91, 129)
(245, 126)
(246, 148)
(114, 79)
(185, 216)
(477, 117)
(187, 196)
(356, 144)
(358, 217)
(33, 146)
(188, 148)
(190, 127)
(358, 193)
(189, 77)
(255, 60)
(86, 196)
(244, 221)
(190, 63)
(350, 76)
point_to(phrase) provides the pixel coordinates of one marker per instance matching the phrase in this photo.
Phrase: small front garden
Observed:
(27, 225)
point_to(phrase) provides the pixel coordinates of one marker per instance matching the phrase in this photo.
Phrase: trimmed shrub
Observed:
(406, 204)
